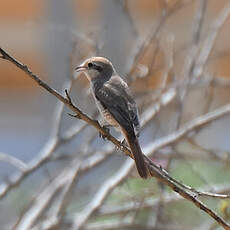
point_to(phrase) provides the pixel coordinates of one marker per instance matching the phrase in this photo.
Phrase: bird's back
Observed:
(114, 96)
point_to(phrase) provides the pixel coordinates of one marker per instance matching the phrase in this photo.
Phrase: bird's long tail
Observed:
(137, 154)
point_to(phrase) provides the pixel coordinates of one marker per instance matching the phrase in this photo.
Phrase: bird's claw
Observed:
(123, 144)
(106, 128)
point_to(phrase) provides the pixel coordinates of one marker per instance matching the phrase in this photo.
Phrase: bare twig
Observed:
(154, 170)
(44, 199)
(13, 161)
(199, 20)
(189, 65)
(150, 202)
(127, 223)
(197, 123)
(143, 44)
(210, 39)
(80, 218)
(45, 155)
(128, 15)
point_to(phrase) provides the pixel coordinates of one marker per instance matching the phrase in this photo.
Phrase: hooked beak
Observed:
(80, 68)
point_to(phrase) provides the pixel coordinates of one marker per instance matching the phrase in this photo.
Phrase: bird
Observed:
(115, 103)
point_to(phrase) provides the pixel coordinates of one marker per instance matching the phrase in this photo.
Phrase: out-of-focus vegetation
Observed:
(174, 56)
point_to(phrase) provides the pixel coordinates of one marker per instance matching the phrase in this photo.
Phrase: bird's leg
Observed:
(123, 143)
(106, 128)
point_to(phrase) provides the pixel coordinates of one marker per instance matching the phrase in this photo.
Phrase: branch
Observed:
(127, 223)
(149, 202)
(155, 170)
(35, 164)
(80, 218)
(13, 161)
(193, 125)
(66, 101)
(143, 44)
(46, 197)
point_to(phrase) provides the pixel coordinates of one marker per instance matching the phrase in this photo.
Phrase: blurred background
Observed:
(175, 56)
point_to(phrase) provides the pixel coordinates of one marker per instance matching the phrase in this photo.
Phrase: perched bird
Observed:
(115, 103)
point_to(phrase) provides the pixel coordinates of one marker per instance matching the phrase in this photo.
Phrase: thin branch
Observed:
(46, 197)
(44, 156)
(189, 65)
(143, 44)
(155, 170)
(128, 15)
(197, 123)
(171, 183)
(53, 144)
(13, 161)
(16, 179)
(66, 101)
(210, 40)
(199, 20)
(127, 223)
(80, 218)
(97, 202)
(150, 202)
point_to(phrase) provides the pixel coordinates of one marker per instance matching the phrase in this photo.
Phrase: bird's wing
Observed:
(117, 100)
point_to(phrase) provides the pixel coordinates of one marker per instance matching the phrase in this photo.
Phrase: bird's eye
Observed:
(98, 68)
(90, 64)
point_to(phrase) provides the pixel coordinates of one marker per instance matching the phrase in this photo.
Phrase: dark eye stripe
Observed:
(94, 66)
(98, 68)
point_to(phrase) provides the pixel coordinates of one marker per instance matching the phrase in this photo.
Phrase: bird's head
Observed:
(96, 68)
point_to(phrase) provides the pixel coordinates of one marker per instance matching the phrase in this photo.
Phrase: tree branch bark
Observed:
(156, 171)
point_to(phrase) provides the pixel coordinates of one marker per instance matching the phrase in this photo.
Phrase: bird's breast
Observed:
(109, 118)
(106, 114)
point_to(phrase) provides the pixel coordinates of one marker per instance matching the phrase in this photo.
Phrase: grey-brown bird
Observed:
(115, 103)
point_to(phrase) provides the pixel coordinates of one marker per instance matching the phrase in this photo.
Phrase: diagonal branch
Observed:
(46, 197)
(155, 170)
(20, 165)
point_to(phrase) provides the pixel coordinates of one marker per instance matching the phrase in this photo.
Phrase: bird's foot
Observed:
(106, 128)
(123, 144)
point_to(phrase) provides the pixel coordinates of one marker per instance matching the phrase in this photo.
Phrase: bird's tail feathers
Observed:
(137, 154)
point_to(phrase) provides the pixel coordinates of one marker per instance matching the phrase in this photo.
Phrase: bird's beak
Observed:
(80, 68)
